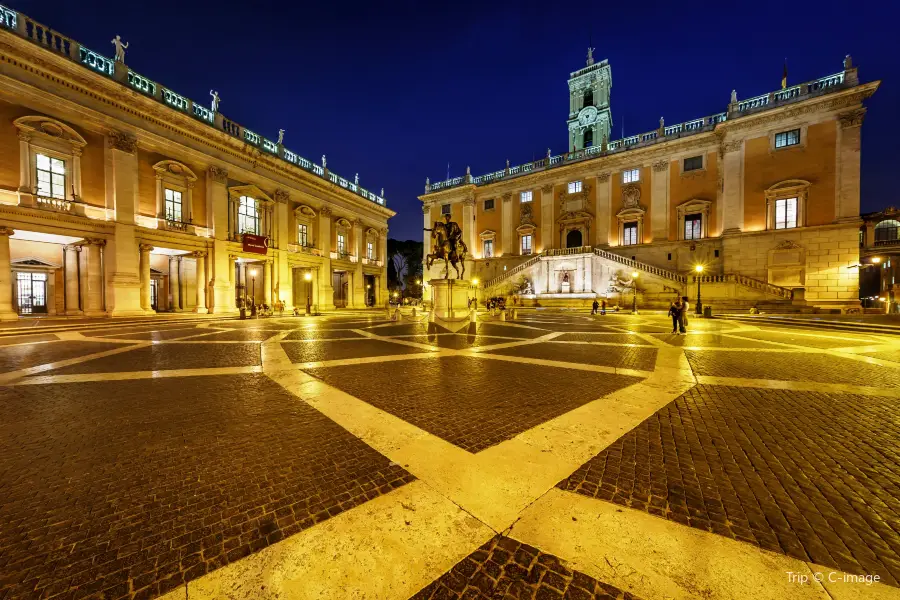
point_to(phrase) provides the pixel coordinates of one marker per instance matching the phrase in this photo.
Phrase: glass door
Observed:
(31, 293)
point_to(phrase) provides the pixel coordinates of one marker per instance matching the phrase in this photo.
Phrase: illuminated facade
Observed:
(765, 196)
(879, 248)
(120, 197)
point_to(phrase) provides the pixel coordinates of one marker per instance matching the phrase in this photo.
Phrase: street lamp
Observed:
(253, 291)
(699, 269)
(634, 276)
(308, 277)
(876, 259)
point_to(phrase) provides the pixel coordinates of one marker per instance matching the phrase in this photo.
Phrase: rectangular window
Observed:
(694, 163)
(488, 248)
(445, 209)
(787, 138)
(629, 234)
(303, 235)
(631, 176)
(51, 177)
(173, 205)
(574, 187)
(248, 215)
(786, 213)
(525, 196)
(370, 251)
(341, 244)
(526, 244)
(692, 226)
(489, 204)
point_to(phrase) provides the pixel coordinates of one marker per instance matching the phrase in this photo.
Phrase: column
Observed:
(72, 281)
(382, 256)
(145, 250)
(846, 206)
(231, 283)
(221, 265)
(358, 289)
(732, 194)
(426, 239)
(182, 284)
(284, 285)
(547, 217)
(468, 224)
(202, 282)
(267, 283)
(174, 285)
(92, 278)
(506, 218)
(326, 291)
(603, 209)
(659, 201)
(6, 283)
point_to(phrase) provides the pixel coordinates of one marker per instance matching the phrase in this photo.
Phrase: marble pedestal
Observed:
(451, 302)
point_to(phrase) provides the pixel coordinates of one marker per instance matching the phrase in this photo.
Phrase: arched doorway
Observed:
(573, 239)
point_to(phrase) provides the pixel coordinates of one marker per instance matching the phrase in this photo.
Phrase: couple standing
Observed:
(679, 312)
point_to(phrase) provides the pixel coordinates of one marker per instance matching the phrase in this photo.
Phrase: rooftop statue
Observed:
(324, 162)
(280, 136)
(215, 100)
(590, 56)
(447, 244)
(120, 49)
(734, 96)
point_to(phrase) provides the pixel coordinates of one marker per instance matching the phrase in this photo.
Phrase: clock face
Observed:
(587, 115)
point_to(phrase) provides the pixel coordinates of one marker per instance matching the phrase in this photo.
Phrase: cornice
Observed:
(47, 215)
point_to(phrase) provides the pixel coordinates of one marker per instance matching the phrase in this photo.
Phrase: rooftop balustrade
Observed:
(669, 132)
(25, 27)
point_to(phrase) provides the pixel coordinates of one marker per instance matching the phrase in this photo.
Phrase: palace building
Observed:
(759, 202)
(119, 197)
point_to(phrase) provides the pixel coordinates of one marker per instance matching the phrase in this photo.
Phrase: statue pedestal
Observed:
(565, 288)
(451, 302)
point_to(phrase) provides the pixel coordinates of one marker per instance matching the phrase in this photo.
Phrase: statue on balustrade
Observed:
(447, 245)
(280, 137)
(215, 100)
(120, 49)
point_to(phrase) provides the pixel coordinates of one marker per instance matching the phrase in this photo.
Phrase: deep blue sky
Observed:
(396, 91)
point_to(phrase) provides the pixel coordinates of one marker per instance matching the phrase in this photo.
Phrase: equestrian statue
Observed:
(447, 244)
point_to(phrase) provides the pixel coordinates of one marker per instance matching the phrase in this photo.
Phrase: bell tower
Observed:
(590, 120)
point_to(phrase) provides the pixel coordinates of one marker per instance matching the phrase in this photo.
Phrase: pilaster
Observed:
(174, 285)
(547, 217)
(603, 208)
(849, 145)
(145, 250)
(72, 279)
(325, 289)
(358, 291)
(659, 201)
(732, 192)
(508, 244)
(202, 282)
(92, 277)
(267, 283)
(123, 282)
(221, 268)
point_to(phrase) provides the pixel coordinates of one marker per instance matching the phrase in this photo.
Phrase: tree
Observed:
(404, 264)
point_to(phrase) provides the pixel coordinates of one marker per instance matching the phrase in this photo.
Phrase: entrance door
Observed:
(370, 290)
(31, 293)
(339, 282)
(154, 294)
(573, 239)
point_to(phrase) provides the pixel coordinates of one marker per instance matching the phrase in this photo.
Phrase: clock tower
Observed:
(590, 120)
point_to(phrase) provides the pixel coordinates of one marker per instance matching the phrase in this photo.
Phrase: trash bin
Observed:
(707, 312)
(243, 313)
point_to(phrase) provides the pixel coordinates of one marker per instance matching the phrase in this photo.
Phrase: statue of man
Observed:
(120, 49)
(356, 179)
(280, 136)
(734, 96)
(324, 162)
(215, 100)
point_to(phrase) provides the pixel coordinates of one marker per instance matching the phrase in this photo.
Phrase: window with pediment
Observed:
(250, 211)
(174, 193)
(786, 204)
(49, 159)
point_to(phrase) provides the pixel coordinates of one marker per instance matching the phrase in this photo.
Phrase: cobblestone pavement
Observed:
(352, 456)
(506, 568)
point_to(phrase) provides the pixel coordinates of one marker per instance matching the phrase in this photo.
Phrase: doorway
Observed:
(370, 290)
(573, 239)
(340, 280)
(31, 293)
(154, 294)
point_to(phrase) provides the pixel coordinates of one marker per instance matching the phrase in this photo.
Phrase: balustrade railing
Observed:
(55, 204)
(635, 264)
(203, 113)
(175, 100)
(768, 288)
(568, 251)
(8, 18)
(97, 62)
(507, 274)
(882, 243)
(48, 38)
(141, 83)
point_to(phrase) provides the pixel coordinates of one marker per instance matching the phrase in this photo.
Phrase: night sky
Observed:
(396, 92)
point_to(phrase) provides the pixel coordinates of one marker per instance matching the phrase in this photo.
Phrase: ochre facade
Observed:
(119, 197)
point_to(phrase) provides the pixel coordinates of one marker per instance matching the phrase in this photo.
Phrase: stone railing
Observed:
(304, 249)
(750, 105)
(507, 274)
(883, 243)
(173, 225)
(634, 264)
(55, 204)
(45, 37)
(371, 261)
(768, 288)
(568, 251)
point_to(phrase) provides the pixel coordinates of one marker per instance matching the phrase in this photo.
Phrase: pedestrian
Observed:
(685, 308)
(603, 307)
(675, 313)
(594, 307)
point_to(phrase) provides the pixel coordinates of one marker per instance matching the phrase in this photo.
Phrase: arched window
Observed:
(887, 231)
(248, 215)
(588, 138)
(588, 98)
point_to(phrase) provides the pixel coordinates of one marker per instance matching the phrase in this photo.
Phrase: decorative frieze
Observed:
(122, 141)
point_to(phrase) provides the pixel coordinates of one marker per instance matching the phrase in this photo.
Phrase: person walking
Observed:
(594, 307)
(685, 308)
(675, 313)
(603, 307)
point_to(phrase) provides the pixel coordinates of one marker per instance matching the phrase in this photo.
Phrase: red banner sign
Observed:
(258, 244)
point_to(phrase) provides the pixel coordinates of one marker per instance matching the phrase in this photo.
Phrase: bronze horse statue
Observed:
(452, 254)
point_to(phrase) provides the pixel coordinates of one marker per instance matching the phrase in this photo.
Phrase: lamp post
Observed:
(634, 276)
(253, 292)
(699, 270)
(308, 278)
